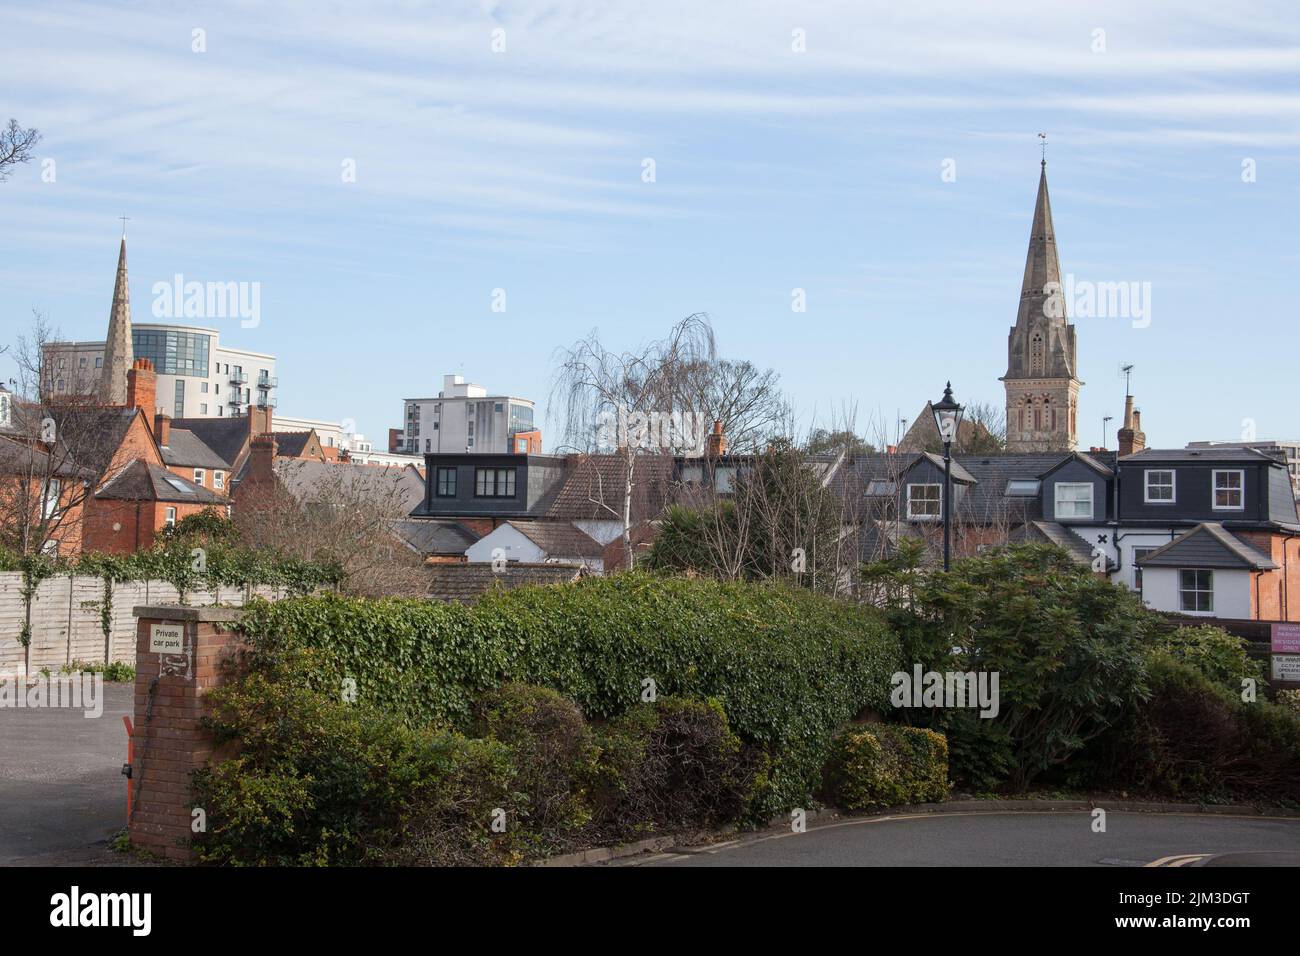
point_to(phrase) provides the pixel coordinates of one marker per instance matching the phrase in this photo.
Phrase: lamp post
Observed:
(947, 416)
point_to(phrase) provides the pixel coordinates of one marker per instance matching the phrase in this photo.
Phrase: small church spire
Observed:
(118, 349)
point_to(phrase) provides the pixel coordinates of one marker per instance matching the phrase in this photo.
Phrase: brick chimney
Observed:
(162, 429)
(717, 442)
(142, 387)
(259, 420)
(261, 459)
(1131, 437)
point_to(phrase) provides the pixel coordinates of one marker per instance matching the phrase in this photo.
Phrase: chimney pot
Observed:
(142, 387)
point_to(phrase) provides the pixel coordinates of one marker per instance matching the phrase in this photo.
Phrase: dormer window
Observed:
(1159, 486)
(1022, 488)
(1229, 490)
(924, 502)
(1073, 500)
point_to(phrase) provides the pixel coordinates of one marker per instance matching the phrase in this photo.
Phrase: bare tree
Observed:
(55, 447)
(16, 146)
(336, 513)
(620, 399)
(745, 399)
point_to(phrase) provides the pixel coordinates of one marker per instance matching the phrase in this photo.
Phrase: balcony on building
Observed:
(268, 381)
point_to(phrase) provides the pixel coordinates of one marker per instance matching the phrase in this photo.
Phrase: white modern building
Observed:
(465, 419)
(198, 376)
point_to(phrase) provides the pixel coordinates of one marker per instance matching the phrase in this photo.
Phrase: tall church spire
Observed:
(118, 350)
(1042, 376)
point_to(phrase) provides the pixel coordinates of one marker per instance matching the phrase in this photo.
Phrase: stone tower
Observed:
(1042, 379)
(119, 354)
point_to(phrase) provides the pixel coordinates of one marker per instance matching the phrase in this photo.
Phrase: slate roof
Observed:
(306, 478)
(592, 485)
(1208, 545)
(1218, 453)
(1062, 537)
(21, 458)
(291, 444)
(185, 449)
(99, 430)
(225, 436)
(466, 583)
(141, 481)
(559, 538)
(427, 536)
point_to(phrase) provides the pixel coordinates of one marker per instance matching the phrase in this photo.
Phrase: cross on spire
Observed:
(124, 220)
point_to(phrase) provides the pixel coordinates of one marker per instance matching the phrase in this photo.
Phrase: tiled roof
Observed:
(291, 444)
(306, 479)
(559, 538)
(185, 449)
(21, 458)
(466, 583)
(141, 481)
(1208, 545)
(225, 436)
(592, 488)
(434, 536)
(95, 431)
(1063, 537)
(1233, 454)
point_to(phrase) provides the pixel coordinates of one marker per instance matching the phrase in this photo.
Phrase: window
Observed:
(494, 482)
(1022, 488)
(1159, 486)
(924, 502)
(446, 483)
(171, 518)
(219, 480)
(50, 498)
(1138, 555)
(1196, 590)
(1073, 500)
(203, 387)
(881, 488)
(199, 475)
(428, 445)
(180, 399)
(203, 408)
(99, 361)
(1229, 490)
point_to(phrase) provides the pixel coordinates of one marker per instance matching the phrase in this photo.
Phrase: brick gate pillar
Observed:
(179, 657)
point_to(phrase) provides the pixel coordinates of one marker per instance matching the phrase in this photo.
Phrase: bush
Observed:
(117, 671)
(672, 765)
(1068, 646)
(313, 780)
(1217, 655)
(787, 666)
(885, 765)
(1196, 740)
(553, 755)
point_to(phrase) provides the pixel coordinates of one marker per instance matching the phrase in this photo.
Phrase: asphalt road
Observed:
(1011, 839)
(61, 783)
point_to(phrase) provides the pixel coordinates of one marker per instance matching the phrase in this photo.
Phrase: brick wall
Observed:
(170, 743)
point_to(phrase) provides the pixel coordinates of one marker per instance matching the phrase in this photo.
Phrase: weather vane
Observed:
(124, 219)
(1043, 137)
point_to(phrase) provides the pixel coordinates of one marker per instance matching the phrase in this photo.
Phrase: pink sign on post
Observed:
(1286, 638)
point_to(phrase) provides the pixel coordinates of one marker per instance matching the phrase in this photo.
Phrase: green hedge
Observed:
(787, 666)
(885, 765)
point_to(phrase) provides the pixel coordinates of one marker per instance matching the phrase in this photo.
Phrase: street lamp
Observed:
(947, 416)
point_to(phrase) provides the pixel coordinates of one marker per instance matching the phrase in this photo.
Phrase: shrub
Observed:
(1068, 647)
(885, 765)
(316, 781)
(1194, 739)
(553, 754)
(1217, 655)
(118, 671)
(672, 765)
(787, 666)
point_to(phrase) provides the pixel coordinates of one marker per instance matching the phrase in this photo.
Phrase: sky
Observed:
(385, 171)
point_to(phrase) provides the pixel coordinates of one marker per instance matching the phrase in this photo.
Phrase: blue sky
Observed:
(774, 170)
